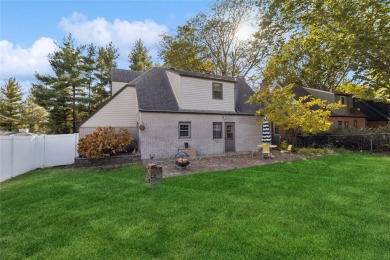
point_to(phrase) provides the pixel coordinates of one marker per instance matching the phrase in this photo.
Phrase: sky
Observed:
(28, 29)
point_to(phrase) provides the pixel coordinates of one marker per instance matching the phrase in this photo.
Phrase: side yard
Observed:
(330, 207)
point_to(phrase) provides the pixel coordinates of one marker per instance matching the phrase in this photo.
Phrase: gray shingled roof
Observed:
(301, 92)
(375, 111)
(155, 93)
(243, 94)
(125, 76)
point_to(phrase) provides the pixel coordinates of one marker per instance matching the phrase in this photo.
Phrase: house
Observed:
(378, 113)
(169, 109)
(346, 117)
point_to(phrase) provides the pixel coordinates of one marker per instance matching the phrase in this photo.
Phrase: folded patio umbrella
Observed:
(266, 136)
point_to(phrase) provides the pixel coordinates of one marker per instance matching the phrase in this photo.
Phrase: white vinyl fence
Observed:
(20, 154)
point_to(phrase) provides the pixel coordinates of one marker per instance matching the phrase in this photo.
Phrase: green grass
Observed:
(327, 208)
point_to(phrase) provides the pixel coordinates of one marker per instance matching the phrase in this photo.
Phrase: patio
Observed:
(221, 162)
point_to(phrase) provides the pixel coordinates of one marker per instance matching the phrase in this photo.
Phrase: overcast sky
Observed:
(28, 29)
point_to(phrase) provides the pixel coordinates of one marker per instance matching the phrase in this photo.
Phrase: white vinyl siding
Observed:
(174, 80)
(121, 111)
(197, 94)
(116, 86)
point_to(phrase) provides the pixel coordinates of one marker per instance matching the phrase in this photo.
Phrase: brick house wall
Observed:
(374, 124)
(160, 137)
(358, 122)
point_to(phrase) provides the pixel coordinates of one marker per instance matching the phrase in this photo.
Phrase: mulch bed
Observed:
(220, 162)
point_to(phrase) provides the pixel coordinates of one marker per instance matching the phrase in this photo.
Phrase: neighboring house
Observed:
(346, 117)
(378, 114)
(165, 109)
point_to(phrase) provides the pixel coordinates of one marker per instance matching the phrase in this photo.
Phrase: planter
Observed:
(112, 160)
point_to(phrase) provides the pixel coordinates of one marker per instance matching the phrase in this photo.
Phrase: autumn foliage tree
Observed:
(306, 115)
(338, 41)
(103, 142)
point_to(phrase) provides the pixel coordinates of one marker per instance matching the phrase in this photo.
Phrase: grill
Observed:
(182, 159)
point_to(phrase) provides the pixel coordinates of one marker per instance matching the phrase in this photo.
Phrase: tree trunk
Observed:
(74, 110)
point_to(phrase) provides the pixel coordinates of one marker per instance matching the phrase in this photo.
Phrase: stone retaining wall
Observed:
(112, 160)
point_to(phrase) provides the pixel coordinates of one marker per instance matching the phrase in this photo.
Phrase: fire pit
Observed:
(182, 160)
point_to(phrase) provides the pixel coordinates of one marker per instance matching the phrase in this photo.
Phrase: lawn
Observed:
(331, 207)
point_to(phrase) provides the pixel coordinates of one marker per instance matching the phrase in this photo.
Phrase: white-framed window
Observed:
(217, 90)
(184, 130)
(217, 130)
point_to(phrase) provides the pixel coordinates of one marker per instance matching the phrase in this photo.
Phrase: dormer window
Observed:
(217, 90)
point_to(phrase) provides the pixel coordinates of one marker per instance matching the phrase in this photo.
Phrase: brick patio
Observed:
(221, 162)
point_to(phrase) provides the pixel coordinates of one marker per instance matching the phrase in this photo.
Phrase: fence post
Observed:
(371, 142)
(44, 151)
(12, 154)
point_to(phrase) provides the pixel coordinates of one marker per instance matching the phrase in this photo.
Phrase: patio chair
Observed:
(265, 151)
(289, 148)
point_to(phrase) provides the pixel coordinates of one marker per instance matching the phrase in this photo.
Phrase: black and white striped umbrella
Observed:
(266, 137)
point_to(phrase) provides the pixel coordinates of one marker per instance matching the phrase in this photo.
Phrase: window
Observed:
(340, 124)
(184, 130)
(346, 124)
(342, 100)
(217, 130)
(217, 90)
(355, 123)
(229, 132)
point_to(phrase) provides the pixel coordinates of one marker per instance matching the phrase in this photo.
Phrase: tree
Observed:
(138, 57)
(306, 115)
(106, 61)
(11, 96)
(214, 37)
(34, 116)
(364, 92)
(306, 62)
(88, 69)
(181, 52)
(358, 28)
(63, 94)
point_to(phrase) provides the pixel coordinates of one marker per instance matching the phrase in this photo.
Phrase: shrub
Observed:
(103, 142)
(283, 145)
(314, 151)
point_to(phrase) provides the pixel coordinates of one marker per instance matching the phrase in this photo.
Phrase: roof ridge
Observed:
(142, 75)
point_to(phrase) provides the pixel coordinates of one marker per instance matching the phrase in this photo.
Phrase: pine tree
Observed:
(63, 94)
(11, 96)
(138, 57)
(33, 115)
(88, 68)
(106, 61)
